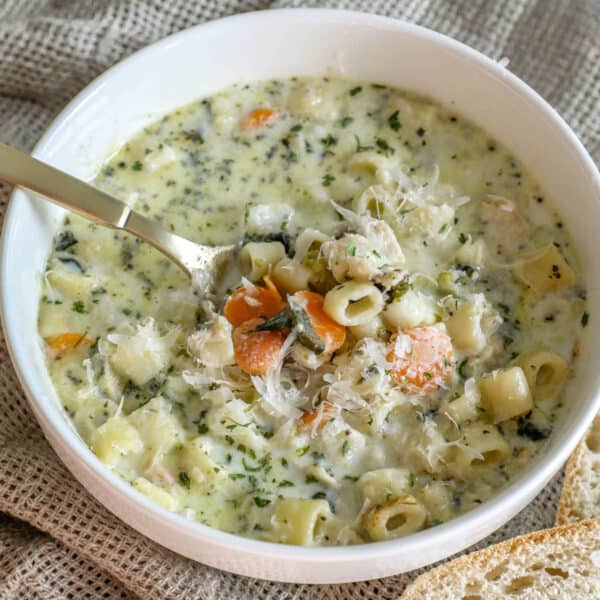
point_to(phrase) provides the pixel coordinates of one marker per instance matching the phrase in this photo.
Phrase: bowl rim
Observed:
(55, 424)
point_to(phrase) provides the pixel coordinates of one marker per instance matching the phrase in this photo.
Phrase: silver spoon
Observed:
(18, 168)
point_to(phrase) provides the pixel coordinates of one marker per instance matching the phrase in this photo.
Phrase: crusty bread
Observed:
(563, 562)
(580, 498)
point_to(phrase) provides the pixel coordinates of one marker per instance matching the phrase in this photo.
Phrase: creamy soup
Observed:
(398, 348)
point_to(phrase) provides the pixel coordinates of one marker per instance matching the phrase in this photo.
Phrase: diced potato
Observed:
(116, 438)
(143, 355)
(159, 429)
(158, 495)
(71, 285)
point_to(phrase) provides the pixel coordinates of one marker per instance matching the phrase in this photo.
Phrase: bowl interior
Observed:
(205, 59)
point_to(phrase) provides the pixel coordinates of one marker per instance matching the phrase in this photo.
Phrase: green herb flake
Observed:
(329, 141)
(411, 480)
(235, 476)
(296, 128)
(352, 250)
(285, 483)
(504, 308)
(137, 166)
(311, 479)
(202, 428)
(393, 121)
(383, 145)
(247, 211)
(350, 478)
(184, 480)
(328, 179)
(356, 90)
(346, 121)
(78, 307)
(261, 502)
(463, 238)
(585, 318)
(345, 447)
(302, 451)
(434, 523)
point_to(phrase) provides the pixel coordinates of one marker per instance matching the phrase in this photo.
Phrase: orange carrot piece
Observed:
(257, 353)
(258, 118)
(422, 358)
(65, 342)
(270, 284)
(250, 303)
(327, 414)
(331, 332)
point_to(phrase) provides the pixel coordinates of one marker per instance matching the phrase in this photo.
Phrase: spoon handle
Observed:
(18, 168)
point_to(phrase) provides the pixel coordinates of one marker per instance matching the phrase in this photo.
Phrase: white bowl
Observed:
(205, 59)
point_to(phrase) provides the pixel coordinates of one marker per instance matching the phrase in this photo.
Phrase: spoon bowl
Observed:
(204, 264)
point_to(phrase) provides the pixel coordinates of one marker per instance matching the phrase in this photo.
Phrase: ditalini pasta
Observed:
(398, 341)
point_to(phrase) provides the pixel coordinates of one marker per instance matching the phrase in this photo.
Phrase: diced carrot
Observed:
(250, 303)
(257, 352)
(326, 414)
(258, 117)
(65, 342)
(329, 331)
(422, 358)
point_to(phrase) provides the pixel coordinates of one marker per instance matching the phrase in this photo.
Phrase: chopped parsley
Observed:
(463, 238)
(384, 146)
(328, 179)
(285, 483)
(301, 451)
(346, 121)
(352, 250)
(79, 307)
(202, 428)
(235, 476)
(585, 318)
(393, 121)
(137, 166)
(328, 141)
(311, 479)
(184, 480)
(360, 147)
(356, 90)
(247, 211)
(261, 502)
(345, 447)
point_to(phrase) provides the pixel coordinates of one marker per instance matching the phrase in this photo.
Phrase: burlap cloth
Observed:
(56, 541)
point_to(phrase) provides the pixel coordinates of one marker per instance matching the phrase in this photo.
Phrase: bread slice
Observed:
(563, 562)
(580, 497)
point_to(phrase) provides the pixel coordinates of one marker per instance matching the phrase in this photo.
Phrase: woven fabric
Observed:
(56, 541)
